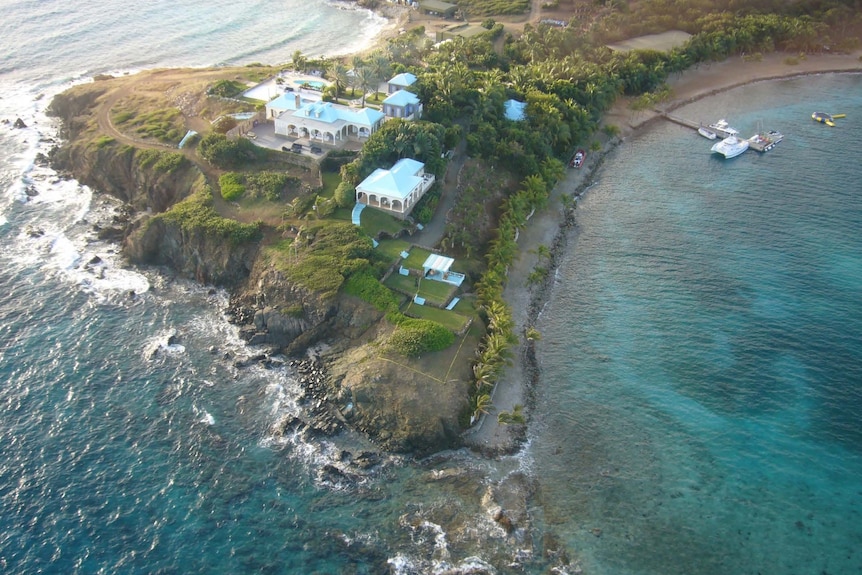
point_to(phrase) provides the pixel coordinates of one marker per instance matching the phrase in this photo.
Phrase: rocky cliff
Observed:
(192, 253)
(110, 166)
(390, 398)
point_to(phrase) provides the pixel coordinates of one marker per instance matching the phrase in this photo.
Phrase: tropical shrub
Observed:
(196, 214)
(413, 337)
(367, 288)
(219, 151)
(227, 89)
(231, 186)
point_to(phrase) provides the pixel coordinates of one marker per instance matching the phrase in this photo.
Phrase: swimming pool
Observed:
(313, 84)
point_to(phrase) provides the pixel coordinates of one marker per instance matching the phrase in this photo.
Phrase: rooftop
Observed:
(394, 183)
(401, 98)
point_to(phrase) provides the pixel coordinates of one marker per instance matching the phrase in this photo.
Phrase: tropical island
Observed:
(400, 212)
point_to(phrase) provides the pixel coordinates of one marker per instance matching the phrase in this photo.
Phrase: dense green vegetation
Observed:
(231, 185)
(222, 152)
(475, 8)
(265, 185)
(163, 161)
(413, 337)
(227, 89)
(323, 256)
(195, 214)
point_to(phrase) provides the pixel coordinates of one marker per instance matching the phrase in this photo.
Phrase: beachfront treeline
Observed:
(568, 82)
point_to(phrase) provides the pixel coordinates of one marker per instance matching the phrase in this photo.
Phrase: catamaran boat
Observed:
(730, 147)
(723, 129)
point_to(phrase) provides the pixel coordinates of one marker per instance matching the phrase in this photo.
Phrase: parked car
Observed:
(250, 135)
(296, 148)
(316, 150)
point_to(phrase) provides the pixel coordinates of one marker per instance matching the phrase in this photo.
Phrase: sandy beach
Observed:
(553, 227)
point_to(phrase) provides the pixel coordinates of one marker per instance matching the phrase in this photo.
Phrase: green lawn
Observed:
(374, 221)
(434, 292)
(330, 182)
(392, 248)
(448, 319)
(416, 258)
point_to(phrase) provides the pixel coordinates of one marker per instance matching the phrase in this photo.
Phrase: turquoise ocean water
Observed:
(702, 354)
(698, 407)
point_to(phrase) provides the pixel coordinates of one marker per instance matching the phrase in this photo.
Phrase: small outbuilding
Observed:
(402, 104)
(438, 8)
(401, 82)
(514, 110)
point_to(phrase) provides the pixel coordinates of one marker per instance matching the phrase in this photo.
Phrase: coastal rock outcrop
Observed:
(193, 254)
(107, 166)
(402, 404)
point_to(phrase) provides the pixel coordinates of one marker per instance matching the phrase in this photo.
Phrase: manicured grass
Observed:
(436, 293)
(330, 182)
(343, 214)
(448, 319)
(392, 248)
(374, 221)
(416, 258)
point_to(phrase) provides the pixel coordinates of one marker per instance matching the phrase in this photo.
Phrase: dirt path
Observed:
(138, 84)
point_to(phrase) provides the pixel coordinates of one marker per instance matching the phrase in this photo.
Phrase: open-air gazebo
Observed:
(436, 267)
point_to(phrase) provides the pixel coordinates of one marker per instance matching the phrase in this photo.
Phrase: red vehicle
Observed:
(578, 159)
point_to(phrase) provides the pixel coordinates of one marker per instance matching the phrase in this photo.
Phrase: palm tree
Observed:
(299, 61)
(364, 79)
(482, 404)
(380, 69)
(485, 375)
(340, 78)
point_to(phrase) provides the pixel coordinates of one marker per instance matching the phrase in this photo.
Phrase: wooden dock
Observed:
(681, 121)
(761, 141)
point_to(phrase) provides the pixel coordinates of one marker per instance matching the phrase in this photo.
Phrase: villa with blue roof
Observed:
(397, 190)
(401, 82)
(402, 104)
(297, 117)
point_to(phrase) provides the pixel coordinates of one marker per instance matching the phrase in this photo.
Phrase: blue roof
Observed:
(403, 79)
(401, 98)
(397, 182)
(515, 110)
(287, 101)
(330, 113)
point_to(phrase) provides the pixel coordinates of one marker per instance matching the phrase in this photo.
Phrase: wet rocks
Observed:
(19, 124)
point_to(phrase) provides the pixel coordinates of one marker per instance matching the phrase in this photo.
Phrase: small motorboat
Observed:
(578, 159)
(707, 133)
(824, 118)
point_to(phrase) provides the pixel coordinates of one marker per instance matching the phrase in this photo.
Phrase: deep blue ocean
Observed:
(698, 409)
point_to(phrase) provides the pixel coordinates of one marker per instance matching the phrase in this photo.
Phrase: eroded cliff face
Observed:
(193, 254)
(271, 310)
(396, 403)
(110, 166)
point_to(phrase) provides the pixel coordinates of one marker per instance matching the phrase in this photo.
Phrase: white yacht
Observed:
(730, 147)
(723, 129)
